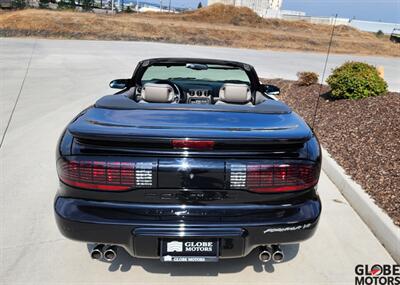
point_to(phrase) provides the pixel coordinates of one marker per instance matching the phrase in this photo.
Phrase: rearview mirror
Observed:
(119, 83)
(272, 90)
(197, 66)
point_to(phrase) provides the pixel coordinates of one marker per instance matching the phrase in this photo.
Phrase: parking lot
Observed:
(54, 81)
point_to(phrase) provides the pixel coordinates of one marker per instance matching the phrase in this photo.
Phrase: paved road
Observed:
(63, 78)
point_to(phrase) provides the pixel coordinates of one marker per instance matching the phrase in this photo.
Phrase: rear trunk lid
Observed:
(130, 125)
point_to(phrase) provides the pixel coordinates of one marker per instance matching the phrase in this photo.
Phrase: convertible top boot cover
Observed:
(125, 125)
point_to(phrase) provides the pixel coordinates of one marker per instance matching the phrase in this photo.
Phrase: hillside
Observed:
(216, 25)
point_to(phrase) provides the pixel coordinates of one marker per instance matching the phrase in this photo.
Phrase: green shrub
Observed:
(356, 80)
(307, 78)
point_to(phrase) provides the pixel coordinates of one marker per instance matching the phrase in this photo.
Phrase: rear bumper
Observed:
(139, 227)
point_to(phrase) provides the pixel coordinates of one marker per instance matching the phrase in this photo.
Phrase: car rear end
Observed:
(203, 186)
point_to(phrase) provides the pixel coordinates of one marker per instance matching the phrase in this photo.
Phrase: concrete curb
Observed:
(374, 217)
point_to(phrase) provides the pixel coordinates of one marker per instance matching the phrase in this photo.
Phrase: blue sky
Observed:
(374, 10)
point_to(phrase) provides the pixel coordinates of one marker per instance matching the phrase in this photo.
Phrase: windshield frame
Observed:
(181, 71)
(255, 84)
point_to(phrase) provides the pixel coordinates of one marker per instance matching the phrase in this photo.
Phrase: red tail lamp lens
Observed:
(193, 144)
(273, 178)
(105, 175)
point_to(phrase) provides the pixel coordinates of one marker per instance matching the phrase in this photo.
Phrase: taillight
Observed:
(273, 177)
(105, 175)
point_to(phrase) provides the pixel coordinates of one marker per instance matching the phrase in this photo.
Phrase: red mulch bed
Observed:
(363, 136)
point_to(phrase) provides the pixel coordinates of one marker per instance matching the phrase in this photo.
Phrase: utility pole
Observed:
(112, 6)
(160, 5)
(137, 6)
(169, 6)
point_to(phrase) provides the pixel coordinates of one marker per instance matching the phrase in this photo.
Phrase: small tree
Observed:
(200, 5)
(128, 10)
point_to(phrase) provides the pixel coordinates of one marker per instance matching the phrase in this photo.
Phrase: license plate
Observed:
(189, 250)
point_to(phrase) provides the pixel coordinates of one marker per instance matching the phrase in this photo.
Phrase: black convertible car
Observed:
(192, 161)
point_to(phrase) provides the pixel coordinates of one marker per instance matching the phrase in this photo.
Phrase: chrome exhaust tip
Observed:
(277, 255)
(265, 255)
(97, 252)
(110, 253)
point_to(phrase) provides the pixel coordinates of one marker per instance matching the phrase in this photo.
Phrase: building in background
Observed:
(261, 7)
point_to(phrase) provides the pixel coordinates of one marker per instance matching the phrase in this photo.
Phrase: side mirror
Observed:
(119, 83)
(272, 90)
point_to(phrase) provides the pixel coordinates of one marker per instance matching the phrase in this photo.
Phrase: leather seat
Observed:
(157, 93)
(234, 94)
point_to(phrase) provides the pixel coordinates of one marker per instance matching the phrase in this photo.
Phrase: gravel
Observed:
(363, 136)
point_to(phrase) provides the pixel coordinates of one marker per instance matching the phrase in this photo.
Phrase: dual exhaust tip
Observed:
(109, 253)
(274, 253)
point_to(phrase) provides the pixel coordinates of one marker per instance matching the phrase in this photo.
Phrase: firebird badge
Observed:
(288, 229)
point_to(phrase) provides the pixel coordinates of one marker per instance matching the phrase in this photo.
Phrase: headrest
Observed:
(235, 93)
(157, 93)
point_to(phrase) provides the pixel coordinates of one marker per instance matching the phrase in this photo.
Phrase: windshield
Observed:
(220, 73)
